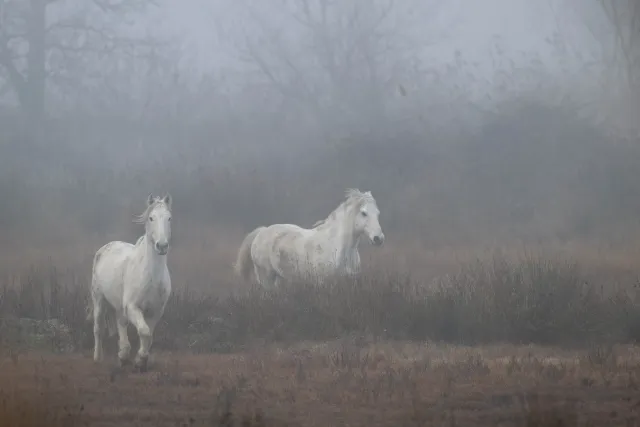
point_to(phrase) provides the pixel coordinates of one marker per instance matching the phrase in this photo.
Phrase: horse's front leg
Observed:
(352, 267)
(124, 346)
(277, 281)
(351, 272)
(147, 342)
(144, 333)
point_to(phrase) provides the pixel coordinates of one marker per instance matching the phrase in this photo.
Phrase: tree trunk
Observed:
(34, 98)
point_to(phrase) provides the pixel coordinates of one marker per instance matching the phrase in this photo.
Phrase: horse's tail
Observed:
(244, 262)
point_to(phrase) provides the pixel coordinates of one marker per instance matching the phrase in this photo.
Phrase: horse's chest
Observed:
(152, 293)
(152, 301)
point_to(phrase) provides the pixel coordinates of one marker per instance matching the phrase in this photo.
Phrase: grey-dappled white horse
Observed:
(287, 251)
(134, 280)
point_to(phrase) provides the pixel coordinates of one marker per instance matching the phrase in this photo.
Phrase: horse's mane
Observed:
(353, 197)
(142, 218)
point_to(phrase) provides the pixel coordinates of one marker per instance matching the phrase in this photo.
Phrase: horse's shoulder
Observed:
(112, 249)
(111, 246)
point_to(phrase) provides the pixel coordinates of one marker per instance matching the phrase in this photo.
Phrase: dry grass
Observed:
(391, 348)
(502, 296)
(346, 382)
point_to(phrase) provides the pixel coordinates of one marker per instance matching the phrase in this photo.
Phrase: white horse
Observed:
(134, 280)
(283, 251)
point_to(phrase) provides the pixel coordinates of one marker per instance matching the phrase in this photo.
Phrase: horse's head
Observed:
(157, 222)
(366, 216)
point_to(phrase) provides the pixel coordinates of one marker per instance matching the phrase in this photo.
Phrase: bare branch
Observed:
(17, 79)
(624, 16)
(120, 6)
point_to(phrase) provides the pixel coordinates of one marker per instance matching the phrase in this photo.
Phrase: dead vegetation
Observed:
(519, 340)
(519, 300)
(346, 382)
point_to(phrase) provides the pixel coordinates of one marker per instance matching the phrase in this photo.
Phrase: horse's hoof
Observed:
(141, 369)
(141, 364)
(123, 362)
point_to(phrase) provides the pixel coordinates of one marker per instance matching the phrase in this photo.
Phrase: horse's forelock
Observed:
(354, 197)
(142, 218)
(357, 198)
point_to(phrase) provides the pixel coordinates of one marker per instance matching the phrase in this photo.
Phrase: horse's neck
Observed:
(151, 263)
(341, 237)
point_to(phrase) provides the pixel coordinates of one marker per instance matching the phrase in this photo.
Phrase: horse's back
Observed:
(276, 235)
(281, 247)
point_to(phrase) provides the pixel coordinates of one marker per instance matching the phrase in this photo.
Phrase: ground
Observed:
(350, 382)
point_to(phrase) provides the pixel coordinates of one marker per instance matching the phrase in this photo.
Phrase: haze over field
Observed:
(470, 122)
(500, 139)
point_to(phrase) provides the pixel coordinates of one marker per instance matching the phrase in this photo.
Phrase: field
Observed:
(538, 337)
(337, 383)
(506, 292)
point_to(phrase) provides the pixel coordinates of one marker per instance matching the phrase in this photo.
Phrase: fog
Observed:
(499, 138)
(469, 121)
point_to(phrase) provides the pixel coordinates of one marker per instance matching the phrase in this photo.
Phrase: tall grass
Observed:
(527, 299)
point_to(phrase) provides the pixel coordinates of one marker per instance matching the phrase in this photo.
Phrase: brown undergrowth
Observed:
(29, 407)
(504, 297)
(352, 381)
(513, 338)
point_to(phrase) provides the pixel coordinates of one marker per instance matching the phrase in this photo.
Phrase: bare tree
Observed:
(337, 59)
(44, 41)
(624, 16)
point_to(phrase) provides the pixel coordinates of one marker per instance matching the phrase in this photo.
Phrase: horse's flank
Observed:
(286, 251)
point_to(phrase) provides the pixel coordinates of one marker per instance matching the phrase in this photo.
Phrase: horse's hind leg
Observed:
(267, 278)
(98, 325)
(262, 277)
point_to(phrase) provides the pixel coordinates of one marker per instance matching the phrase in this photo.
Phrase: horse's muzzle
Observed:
(162, 248)
(378, 240)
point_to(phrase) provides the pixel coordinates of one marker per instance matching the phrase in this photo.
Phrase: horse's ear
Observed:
(150, 199)
(168, 200)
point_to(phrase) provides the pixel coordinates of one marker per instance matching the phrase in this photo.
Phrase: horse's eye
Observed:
(151, 218)
(169, 218)
(364, 213)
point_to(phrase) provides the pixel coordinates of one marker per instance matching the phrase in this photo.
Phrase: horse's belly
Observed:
(110, 285)
(108, 271)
